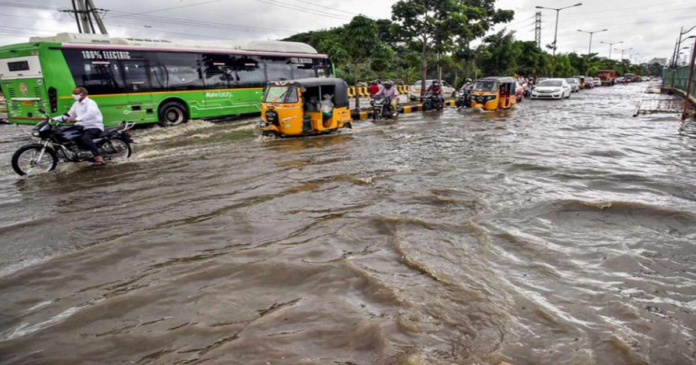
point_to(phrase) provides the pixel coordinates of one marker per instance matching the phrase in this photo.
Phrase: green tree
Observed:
(436, 27)
(362, 45)
(531, 60)
(499, 54)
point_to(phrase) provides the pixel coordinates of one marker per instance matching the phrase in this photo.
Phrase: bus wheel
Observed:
(172, 114)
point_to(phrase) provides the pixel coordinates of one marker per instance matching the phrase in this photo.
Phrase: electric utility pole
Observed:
(86, 15)
(537, 28)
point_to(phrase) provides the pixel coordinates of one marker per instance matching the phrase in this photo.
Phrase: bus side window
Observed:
(249, 71)
(98, 76)
(183, 71)
(135, 73)
(304, 70)
(217, 72)
(278, 69)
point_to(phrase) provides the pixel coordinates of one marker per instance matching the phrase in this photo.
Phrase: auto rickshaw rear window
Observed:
(281, 94)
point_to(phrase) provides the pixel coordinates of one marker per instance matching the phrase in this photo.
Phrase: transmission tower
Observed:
(86, 15)
(537, 28)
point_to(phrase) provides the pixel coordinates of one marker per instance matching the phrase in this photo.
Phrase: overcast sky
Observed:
(649, 27)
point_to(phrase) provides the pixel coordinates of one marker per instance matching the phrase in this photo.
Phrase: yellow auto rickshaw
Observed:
(494, 93)
(305, 107)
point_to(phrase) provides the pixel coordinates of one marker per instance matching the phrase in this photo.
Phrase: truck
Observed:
(608, 77)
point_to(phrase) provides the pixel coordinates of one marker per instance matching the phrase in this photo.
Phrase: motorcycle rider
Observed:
(86, 114)
(375, 87)
(436, 89)
(468, 85)
(390, 93)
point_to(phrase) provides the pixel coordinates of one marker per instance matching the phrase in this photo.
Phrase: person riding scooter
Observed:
(392, 94)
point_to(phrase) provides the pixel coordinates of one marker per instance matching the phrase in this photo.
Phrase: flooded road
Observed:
(563, 232)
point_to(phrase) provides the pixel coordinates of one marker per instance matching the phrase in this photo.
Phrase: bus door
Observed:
(140, 107)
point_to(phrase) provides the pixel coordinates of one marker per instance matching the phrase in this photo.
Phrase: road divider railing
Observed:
(677, 81)
(365, 114)
(364, 92)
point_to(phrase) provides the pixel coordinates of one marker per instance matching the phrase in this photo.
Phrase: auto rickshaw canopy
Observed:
(339, 88)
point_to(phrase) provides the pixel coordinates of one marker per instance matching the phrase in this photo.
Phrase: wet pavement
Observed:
(562, 232)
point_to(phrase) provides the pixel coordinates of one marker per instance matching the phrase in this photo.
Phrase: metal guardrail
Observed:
(678, 79)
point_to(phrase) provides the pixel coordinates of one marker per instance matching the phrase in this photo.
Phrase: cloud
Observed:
(648, 27)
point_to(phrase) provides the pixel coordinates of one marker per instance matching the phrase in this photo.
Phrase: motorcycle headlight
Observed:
(35, 133)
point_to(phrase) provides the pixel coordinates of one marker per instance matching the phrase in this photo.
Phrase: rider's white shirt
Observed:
(87, 114)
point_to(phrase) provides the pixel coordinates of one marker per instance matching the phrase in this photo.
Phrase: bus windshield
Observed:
(486, 86)
(281, 94)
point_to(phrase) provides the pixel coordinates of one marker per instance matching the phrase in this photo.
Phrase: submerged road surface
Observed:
(562, 232)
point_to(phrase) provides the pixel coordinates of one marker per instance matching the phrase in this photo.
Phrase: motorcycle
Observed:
(60, 142)
(432, 101)
(463, 99)
(382, 108)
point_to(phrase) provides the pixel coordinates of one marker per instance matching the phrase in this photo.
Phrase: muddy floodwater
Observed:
(562, 232)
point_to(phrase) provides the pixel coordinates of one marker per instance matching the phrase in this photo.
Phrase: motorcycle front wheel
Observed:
(29, 160)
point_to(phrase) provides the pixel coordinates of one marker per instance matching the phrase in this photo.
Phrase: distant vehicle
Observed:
(582, 81)
(149, 81)
(597, 82)
(432, 102)
(552, 89)
(629, 78)
(414, 92)
(292, 108)
(494, 93)
(608, 77)
(519, 92)
(574, 84)
(589, 83)
(620, 80)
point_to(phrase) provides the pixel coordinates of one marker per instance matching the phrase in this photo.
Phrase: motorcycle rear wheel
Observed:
(26, 160)
(116, 149)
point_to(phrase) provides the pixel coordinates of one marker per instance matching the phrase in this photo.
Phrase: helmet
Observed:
(388, 84)
(436, 83)
(468, 80)
(375, 82)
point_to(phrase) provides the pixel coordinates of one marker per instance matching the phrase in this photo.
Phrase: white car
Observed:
(414, 92)
(597, 82)
(552, 89)
(574, 84)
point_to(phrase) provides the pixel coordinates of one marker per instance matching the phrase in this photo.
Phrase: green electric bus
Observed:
(148, 81)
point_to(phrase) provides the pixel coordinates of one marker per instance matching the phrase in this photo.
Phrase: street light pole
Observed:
(679, 42)
(622, 51)
(555, 35)
(690, 81)
(589, 51)
(611, 46)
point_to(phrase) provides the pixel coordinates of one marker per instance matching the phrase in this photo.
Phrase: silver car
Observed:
(574, 84)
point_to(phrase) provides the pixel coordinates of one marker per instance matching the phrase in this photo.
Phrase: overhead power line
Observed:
(326, 7)
(171, 8)
(303, 10)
